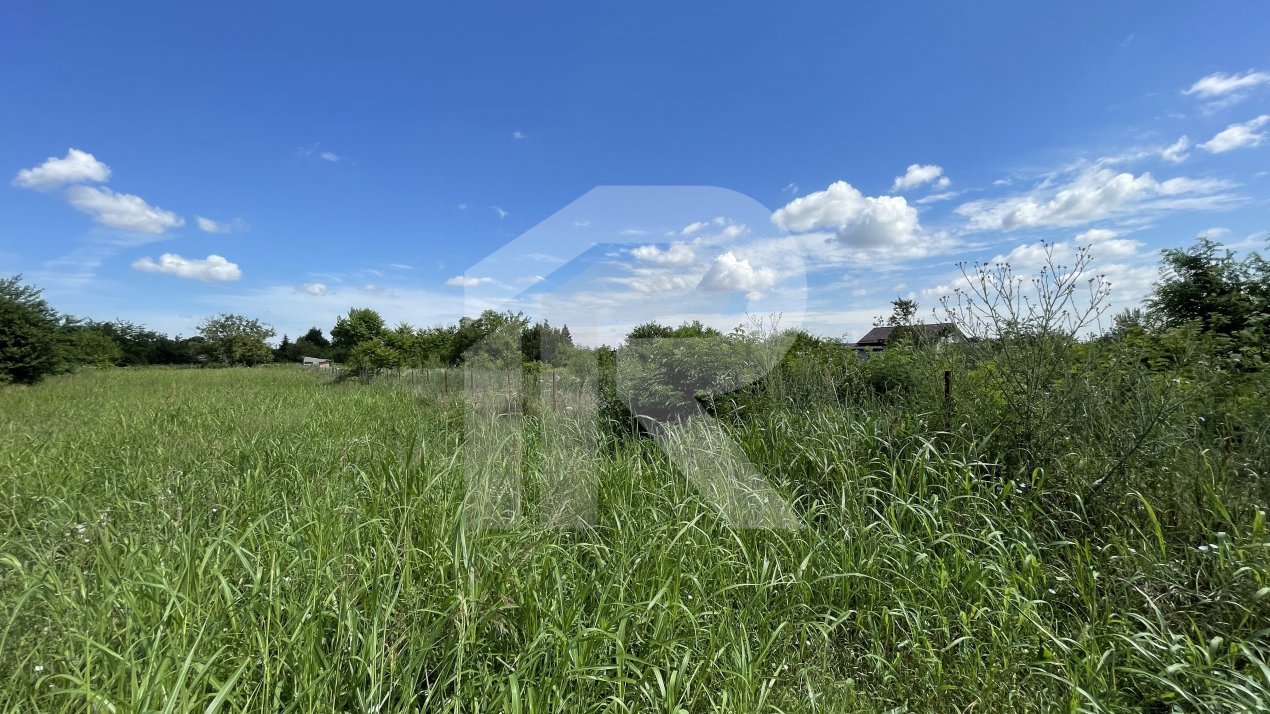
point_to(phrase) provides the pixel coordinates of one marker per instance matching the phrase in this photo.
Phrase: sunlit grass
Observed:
(267, 540)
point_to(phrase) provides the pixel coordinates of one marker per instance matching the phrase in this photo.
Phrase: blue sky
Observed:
(348, 156)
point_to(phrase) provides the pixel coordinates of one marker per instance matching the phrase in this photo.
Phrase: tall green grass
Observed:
(267, 540)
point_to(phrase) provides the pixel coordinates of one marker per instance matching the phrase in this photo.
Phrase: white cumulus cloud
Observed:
(76, 167)
(1104, 243)
(918, 174)
(464, 281)
(1238, 136)
(675, 254)
(121, 210)
(314, 289)
(729, 273)
(213, 268)
(869, 222)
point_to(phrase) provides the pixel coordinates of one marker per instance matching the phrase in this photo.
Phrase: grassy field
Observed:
(268, 540)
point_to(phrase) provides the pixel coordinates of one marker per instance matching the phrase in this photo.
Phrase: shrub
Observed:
(29, 348)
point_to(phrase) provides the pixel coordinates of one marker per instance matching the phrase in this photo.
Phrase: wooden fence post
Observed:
(948, 415)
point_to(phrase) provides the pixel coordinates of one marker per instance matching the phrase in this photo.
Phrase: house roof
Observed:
(879, 336)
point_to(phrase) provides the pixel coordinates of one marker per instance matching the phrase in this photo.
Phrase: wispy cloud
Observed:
(465, 281)
(1093, 194)
(1237, 136)
(208, 225)
(1221, 91)
(937, 197)
(315, 152)
(694, 227)
(1220, 84)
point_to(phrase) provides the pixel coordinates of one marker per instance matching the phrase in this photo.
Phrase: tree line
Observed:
(37, 341)
(1203, 288)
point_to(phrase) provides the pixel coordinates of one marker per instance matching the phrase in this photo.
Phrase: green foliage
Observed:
(652, 330)
(1205, 284)
(92, 347)
(543, 343)
(230, 339)
(1086, 532)
(285, 351)
(29, 346)
(493, 338)
(358, 326)
(903, 312)
(315, 554)
(140, 346)
(1025, 349)
(372, 356)
(316, 338)
(894, 372)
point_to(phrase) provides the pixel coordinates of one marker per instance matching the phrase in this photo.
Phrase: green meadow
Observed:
(268, 539)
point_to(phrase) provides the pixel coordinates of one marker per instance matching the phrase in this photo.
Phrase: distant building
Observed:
(878, 338)
(319, 362)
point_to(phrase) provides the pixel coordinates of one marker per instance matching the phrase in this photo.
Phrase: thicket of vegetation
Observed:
(1082, 526)
(37, 341)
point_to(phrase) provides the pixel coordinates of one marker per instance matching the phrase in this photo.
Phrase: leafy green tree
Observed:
(233, 339)
(371, 356)
(316, 338)
(544, 343)
(304, 347)
(402, 339)
(435, 345)
(493, 337)
(903, 312)
(653, 330)
(1205, 284)
(29, 348)
(359, 325)
(140, 346)
(649, 330)
(92, 347)
(285, 351)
